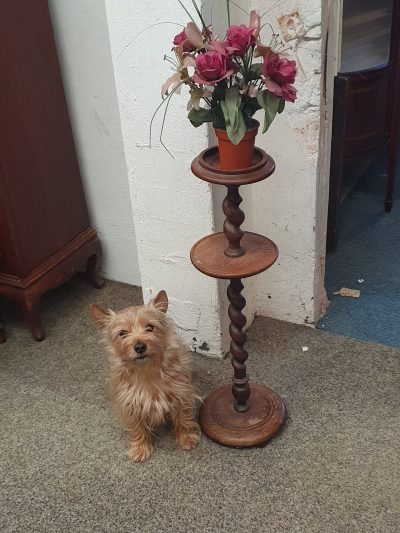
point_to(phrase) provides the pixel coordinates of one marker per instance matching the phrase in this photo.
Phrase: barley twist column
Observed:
(240, 388)
(234, 218)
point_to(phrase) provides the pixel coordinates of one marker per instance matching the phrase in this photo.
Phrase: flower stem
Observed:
(228, 11)
(199, 14)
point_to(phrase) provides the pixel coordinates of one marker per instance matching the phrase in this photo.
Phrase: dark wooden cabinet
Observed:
(366, 100)
(45, 232)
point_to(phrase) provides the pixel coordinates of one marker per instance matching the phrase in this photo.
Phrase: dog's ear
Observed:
(160, 301)
(100, 316)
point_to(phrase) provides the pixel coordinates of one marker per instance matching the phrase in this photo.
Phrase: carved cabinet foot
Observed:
(2, 334)
(93, 271)
(30, 310)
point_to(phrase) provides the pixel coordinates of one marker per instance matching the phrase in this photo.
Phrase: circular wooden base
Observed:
(222, 423)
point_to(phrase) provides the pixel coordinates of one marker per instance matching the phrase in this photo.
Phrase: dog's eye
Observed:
(149, 327)
(123, 333)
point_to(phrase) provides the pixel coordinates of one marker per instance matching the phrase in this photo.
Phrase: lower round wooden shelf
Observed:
(207, 255)
(222, 423)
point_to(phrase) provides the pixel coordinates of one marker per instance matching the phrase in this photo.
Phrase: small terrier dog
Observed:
(150, 380)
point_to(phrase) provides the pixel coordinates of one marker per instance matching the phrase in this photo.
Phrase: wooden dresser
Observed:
(45, 232)
(366, 104)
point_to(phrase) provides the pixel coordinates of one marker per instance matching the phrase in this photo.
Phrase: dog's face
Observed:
(135, 334)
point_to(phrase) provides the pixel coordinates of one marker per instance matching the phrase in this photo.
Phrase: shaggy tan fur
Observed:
(153, 386)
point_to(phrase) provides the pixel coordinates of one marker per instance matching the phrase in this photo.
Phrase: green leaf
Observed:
(249, 107)
(231, 105)
(236, 135)
(198, 116)
(281, 105)
(256, 68)
(270, 103)
(234, 120)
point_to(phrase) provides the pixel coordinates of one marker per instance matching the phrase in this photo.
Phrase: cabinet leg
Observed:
(93, 271)
(30, 309)
(388, 205)
(2, 334)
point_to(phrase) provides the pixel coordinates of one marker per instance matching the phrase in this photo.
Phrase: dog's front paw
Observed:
(140, 453)
(188, 440)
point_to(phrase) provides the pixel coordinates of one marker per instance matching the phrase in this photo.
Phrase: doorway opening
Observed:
(363, 244)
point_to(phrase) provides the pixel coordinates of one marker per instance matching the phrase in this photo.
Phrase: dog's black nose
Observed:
(140, 347)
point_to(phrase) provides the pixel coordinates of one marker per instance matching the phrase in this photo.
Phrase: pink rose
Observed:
(240, 38)
(285, 91)
(184, 41)
(279, 74)
(279, 68)
(289, 92)
(190, 38)
(212, 67)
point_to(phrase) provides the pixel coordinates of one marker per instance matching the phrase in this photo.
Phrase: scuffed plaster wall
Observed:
(291, 206)
(284, 207)
(172, 209)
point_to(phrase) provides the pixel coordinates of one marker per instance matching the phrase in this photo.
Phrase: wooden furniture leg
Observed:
(30, 309)
(93, 271)
(393, 109)
(2, 334)
(391, 173)
(82, 252)
(337, 160)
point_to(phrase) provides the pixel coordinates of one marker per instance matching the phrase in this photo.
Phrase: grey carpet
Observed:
(63, 463)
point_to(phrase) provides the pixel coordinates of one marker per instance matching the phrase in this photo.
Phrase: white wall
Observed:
(112, 95)
(291, 207)
(172, 209)
(81, 34)
(285, 206)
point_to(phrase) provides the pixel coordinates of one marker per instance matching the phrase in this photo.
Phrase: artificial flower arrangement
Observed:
(222, 74)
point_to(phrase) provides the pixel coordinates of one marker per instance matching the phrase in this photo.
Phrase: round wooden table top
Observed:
(206, 167)
(207, 255)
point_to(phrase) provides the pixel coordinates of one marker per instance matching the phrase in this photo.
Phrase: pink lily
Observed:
(194, 35)
(262, 50)
(181, 74)
(195, 97)
(250, 90)
(221, 46)
(255, 22)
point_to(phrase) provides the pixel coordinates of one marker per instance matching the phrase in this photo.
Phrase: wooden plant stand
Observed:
(237, 415)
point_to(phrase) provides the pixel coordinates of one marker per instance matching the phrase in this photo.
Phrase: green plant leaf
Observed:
(249, 107)
(234, 120)
(270, 103)
(281, 105)
(236, 134)
(256, 69)
(199, 116)
(231, 105)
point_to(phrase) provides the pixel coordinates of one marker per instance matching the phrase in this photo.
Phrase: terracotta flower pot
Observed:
(236, 156)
